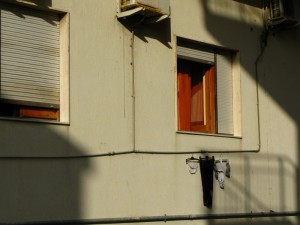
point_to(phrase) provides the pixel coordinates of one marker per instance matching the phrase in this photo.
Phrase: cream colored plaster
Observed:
(101, 114)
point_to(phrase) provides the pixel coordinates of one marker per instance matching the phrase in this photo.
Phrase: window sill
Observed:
(207, 134)
(35, 121)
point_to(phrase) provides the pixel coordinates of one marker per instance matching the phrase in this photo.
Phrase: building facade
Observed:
(99, 113)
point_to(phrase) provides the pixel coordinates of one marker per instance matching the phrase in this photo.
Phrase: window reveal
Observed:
(204, 89)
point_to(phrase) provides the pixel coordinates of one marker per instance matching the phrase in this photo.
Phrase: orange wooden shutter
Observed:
(184, 98)
(40, 113)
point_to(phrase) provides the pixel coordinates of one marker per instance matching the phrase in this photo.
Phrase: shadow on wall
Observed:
(38, 188)
(281, 82)
(278, 167)
(42, 188)
(39, 3)
(45, 4)
(161, 32)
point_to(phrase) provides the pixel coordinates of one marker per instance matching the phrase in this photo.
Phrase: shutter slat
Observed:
(195, 55)
(9, 36)
(39, 99)
(50, 92)
(12, 92)
(29, 66)
(24, 51)
(31, 15)
(30, 55)
(26, 33)
(22, 73)
(42, 50)
(37, 84)
(224, 94)
(25, 58)
(10, 19)
(30, 77)
(30, 62)
(37, 14)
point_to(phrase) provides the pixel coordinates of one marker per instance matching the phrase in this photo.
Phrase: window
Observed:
(205, 98)
(34, 64)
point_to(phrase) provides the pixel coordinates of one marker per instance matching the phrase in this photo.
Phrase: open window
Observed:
(196, 96)
(205, 84)
(34, 64)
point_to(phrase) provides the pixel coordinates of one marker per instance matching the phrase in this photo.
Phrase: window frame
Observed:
(236, 92)
(40, 113)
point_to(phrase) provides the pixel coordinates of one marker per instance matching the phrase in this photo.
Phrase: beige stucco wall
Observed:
(102, 120)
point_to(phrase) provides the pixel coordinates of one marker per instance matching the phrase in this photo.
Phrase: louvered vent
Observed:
(276, 9)
(127, 4)
(147, 8)
(281, 14)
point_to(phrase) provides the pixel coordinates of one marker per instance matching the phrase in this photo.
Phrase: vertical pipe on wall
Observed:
(133, 88)
(133, 84)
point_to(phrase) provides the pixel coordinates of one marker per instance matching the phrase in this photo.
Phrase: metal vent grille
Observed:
(276, 9)
(125, 2)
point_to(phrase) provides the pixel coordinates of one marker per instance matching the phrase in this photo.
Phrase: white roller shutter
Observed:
(198, 55)
(224, 93)
(30, 50)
